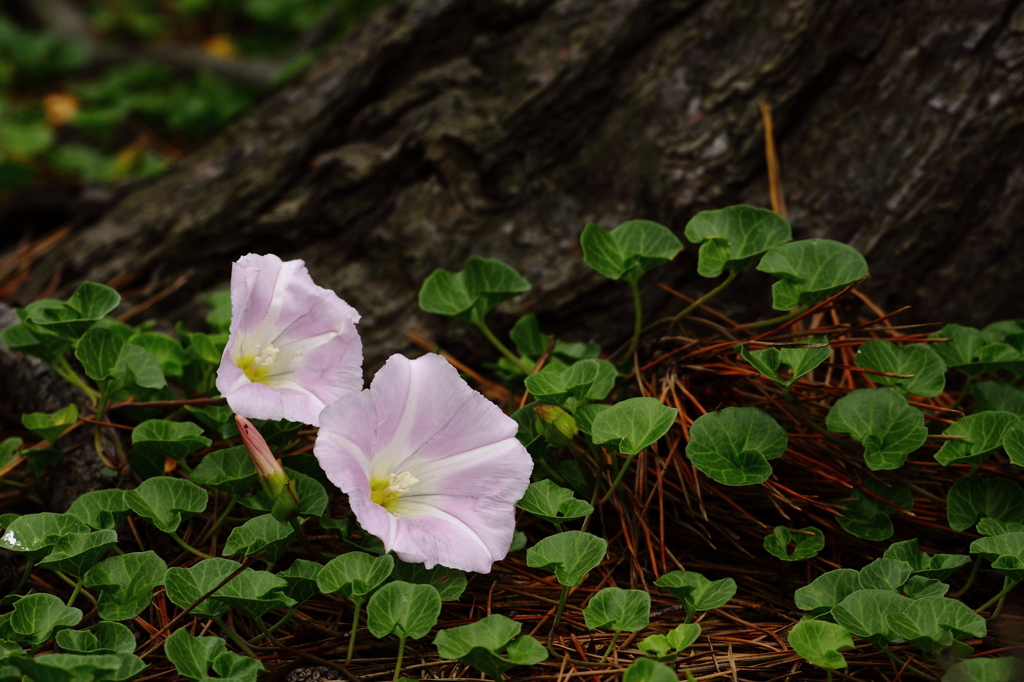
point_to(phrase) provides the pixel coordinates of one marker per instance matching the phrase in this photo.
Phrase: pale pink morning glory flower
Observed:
(431, 467)
(293, 347)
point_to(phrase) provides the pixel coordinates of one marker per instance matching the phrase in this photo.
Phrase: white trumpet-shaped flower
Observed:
(431, 467)
(293, 347)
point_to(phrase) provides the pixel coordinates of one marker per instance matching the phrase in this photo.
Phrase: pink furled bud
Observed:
(273, 478)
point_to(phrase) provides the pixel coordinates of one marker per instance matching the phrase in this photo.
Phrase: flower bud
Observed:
(556, 424)
(272, 476)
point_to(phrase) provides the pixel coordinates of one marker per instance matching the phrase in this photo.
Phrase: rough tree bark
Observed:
(446, 128)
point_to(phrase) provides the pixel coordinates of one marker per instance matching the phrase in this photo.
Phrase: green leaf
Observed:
(186, 585)
(571, 555)
(827, 590)
(551, 502)
(820, 642)
(100, 509)
(50, 426)
(166, 502)
(156, 439)
(93, 300)
(255, 592)
(98, 350)
(355, 575)
(805, 546)
(733, 446)
(990, 526)
(9, 450)
(301, 577)
(972, 498)
(864, 614)
(800, 360)
(646, 670)
(527, 337)
(919, 587)
(193, 657)
(37, 616)
(584, 380)
(106, 637)
(932, 623)
(220, 316)
(40, 459)
(450, 583)
(473, 291)
(667, 647)
(999, 396)
(1013, 443)
(868, 518)
(732, 238)
(970, 352)
(260, 534)
(34, 341)
(939, 567)
(927, 368)
(630, 250)
(882, 421)
(481, 645)
(1008, 669)
(1006, 552)
(230, 470)
(36, 534)
(885, 574)
(620, 610)
(695, 591)
(136, 366)
(811, 270)
(312, 496)
(78, 668)
(632, 425)
(72, 319)
(403, 609)
(168, 352)
(125, 583)
(984, 433)
(76, 553)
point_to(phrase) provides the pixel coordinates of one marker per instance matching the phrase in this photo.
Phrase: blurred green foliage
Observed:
(63, 116)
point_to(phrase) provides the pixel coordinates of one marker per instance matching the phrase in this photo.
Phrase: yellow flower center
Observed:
(387, 492)
(257, 367)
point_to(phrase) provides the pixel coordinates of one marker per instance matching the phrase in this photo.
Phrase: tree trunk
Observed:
(447, 128)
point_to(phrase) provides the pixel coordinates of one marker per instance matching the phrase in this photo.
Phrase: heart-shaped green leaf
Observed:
(632, 425)
(481, 645)
(450, 583)
(186, 585)
(881, 420)
(983, 432)
(801, 360)
(230, 470)
(868, 518)
(527, 337)
(1013, 442)
(584, 380)
(551, 502)
(646, 670)
(970, 499)
(989, 526)
(571, 555)
(98, 350)
(969, 351)
(101, 509)
(733, 446)
(1007, 669)
(25, 338)
(403, 609)
(49, 427)
(666, 647)
(620, 610)
(885, 574)
(919, 587)
(732, 238)
(76, 553)
(827, 591)
(1006, 552)
(9, 449)
(820, 642)
(864, 613)
(939, 567)
(260, 534)
(136, 366)
(168, 352)
(79, 668)
(312, 496)
(811, 270)
(166, 502)
(473, 291)
(932, 623)
(255, 592)
(125, 583)
(155, 440)
(193, 657)
(695, 591)
(72, 319)
(630, 250)
(998, 396)
(106, 637)
(355, 575)
(805, 546)
(37, 616)
(301, 577)
(919, 360)
(36, 534)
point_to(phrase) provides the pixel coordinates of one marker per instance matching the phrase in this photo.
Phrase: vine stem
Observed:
(638, 315)
(97, 434)
(733, 274)
(1007, 586)
(187, 547)
(562, 597)
(899, 661)
(401, 654)
(63, 369)
(241, 643)
(502, 348)
(306, 544)
(799, 310)
(217, 524)
(618, 479)
(615, 638)
(29, 565)
(970, 578)
(352, 635)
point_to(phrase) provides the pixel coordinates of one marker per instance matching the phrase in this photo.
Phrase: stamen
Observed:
(388, 492)
(256, 367)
